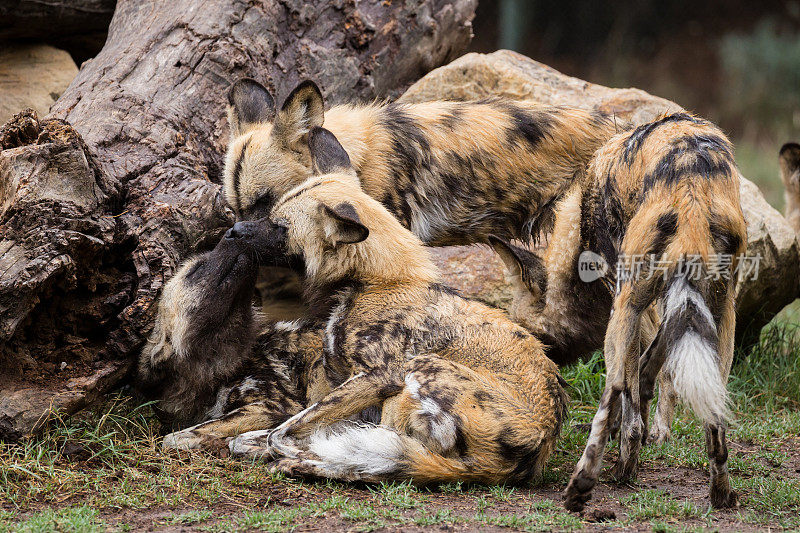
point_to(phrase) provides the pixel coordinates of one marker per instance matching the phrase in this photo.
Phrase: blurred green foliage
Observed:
(762, 74)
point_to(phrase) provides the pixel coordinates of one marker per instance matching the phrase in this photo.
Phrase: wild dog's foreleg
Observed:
(358, 393)
(622, 363)
(716, 445)
(250, 417)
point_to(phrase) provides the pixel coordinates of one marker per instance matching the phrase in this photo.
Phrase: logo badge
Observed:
(591, 266)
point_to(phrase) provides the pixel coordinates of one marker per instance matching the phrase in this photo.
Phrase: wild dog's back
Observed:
(453, 172)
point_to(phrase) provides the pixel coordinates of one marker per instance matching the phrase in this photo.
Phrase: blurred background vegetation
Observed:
(736, 62)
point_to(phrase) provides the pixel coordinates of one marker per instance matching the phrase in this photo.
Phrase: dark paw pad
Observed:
(721, 499)
(625, 472)
(578, 492)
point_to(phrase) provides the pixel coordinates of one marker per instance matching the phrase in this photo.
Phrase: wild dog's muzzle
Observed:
(266, 239)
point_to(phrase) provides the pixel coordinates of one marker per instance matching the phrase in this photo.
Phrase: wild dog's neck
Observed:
(400, 261)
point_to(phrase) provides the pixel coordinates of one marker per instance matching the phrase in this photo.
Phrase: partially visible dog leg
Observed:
(720, 492)
(360, 392)
(661, 431)
(789, 160)
(246, 418)
(621, 354)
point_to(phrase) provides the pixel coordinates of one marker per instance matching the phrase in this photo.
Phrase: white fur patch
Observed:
(218, 409)
(287, 326)
(335, 317)
(442, 424)
(692, 361)
(412, 386)
(679, 293)
(358, 449)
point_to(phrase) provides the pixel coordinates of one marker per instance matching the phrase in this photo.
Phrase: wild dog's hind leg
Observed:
(661, 430)
(358, 393)
(716, 445)
(622, 365)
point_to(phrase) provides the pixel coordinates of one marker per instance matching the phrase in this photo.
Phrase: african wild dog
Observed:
(451, 172)
(462, 392)
(663, 198)
(790, 174)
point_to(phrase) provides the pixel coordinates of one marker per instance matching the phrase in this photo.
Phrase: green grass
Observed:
(69, 520)
(649, 504)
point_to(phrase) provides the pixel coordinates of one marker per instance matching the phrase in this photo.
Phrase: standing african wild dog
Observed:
(790, 175)
(655, 199)
(451, 172)
(462, 392)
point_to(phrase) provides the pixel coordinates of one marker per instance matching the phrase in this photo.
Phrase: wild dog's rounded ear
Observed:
(327, 154)
(249, 103)
(302, 110)
(525, 267)
(342, 224)
(789, 158)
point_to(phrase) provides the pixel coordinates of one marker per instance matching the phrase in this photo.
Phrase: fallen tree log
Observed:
(100, 201)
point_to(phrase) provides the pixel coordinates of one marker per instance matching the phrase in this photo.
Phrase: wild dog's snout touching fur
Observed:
(660, 208)
(409, 381)
(789, 159)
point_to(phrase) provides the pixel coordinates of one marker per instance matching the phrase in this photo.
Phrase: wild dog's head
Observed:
(268, 153)
(790, 168)
(528, 277)
(334, 229)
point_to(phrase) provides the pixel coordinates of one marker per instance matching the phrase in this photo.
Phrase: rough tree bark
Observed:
(100, 201)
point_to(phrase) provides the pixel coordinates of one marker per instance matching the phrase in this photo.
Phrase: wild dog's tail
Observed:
(361, 451)
(688, 335)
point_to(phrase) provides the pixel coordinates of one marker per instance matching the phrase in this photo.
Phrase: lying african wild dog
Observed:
(668, 190)
(462, 392)
(789, 159)
(451, 172)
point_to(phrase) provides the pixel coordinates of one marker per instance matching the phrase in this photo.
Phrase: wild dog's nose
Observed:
(240, 230)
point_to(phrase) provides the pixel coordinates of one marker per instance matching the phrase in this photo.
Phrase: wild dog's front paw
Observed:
(658, 435)
(578, 492)
(253, 444)
(182, 440)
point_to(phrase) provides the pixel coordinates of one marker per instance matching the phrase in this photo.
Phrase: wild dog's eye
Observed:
(261, 207)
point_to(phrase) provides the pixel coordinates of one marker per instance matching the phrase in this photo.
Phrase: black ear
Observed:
(327, 155)
(789, 156)
(522, 264)
(342, 224)
(250, 103)
(302, 110)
